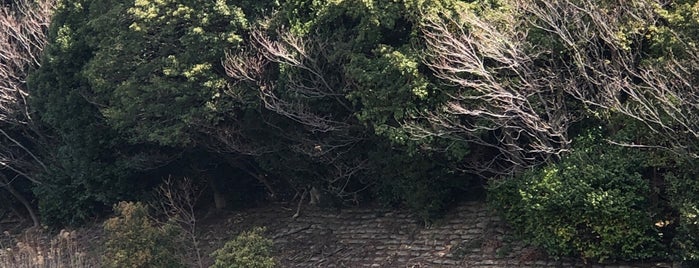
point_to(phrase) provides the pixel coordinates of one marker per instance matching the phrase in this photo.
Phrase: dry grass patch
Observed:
(34, 248)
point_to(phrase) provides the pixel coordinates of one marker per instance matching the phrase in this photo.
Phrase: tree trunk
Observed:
(8, 186)
(219, 198)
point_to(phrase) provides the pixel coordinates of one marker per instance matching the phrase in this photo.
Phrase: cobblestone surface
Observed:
(469, 236)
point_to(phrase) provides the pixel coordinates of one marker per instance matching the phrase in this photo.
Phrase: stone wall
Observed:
(469, 236)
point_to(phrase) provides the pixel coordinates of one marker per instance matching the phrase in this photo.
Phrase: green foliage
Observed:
(594, 204)
(672, 178)
(87, 163)
(682, 194)
(403, 89)
(157, 70)
(675, 179)
(375, 58)
(248, 250)
(680, 31)
(133, 239)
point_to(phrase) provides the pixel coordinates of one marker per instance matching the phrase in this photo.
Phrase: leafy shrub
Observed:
(248, 250)
(134, 240)
(594, 203)
(682, 194)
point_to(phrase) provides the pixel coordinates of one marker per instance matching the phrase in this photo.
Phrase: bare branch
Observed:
(22, 40)
(308, 81)
(500, 92)
(610, 74)
(178, 201)
(511, 93)
(307, 78)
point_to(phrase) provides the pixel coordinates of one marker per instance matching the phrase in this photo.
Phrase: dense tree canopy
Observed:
(565, 106)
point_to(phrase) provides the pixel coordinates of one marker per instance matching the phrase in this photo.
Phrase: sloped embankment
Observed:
(469, 236)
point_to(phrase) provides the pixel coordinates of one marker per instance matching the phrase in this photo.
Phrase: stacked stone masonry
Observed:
(469, 236)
